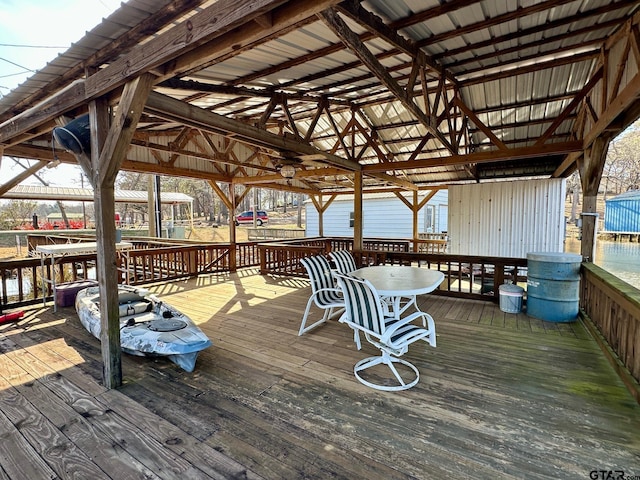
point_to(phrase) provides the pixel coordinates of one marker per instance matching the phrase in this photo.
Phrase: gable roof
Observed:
(631, 195)
(31, 192)
(412, 93)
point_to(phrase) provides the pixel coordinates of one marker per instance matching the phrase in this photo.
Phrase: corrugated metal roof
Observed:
(629, 195)
(71, 194)
(496, 54)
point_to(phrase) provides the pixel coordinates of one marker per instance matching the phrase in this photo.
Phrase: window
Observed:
(351, 219)
(429, 219)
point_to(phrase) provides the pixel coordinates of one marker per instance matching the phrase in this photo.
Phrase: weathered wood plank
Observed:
(517, 398)
(212, 462)
(18, 459)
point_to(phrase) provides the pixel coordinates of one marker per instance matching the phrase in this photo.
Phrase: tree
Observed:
(622, 168)
(17, 212)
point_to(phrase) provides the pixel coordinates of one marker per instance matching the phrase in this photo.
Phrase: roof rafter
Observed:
(340, 28)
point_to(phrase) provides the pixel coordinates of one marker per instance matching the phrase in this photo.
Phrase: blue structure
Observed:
(553, 286)
(622, 213)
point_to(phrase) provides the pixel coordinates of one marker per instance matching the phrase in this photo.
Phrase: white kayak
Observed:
(148, 326)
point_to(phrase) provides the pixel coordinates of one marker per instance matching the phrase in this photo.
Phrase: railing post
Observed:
(327, 246)
(232, 257)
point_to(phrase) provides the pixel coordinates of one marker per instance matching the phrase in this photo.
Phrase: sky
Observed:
(32, 33)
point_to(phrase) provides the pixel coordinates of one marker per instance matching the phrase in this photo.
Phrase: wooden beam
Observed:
(186, 114)
(311, 173)
(351, 40)
(123, 127)
(285, 17)
(199, 29)
(597, 76)
(379, 29)
(47, 111)
(222, 196)
(5, 187)
(480, 157)
(625, 100)
(393, 180)
(483, 128)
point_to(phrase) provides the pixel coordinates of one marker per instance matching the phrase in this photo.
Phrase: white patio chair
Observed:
(365, 312)
(343, 260)
(324, 294)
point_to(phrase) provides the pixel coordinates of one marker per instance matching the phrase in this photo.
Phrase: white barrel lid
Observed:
(554, 257)
(510, 289)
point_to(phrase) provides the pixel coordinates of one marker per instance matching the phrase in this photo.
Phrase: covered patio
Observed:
(503, 396)
(327, 98)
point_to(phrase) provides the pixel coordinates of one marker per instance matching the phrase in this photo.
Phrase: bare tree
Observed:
(622, 168)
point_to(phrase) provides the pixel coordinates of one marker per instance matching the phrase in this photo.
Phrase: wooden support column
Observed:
(321, 207)
(320, 217)
(415, 208)
(151, 206)
(233, 242)
(229, 202)
(357, 212)
(590, 176)
(110, 139)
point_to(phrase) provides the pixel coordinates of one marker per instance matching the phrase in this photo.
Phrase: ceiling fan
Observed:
(287, 164)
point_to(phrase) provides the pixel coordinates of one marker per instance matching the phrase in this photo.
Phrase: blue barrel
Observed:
(553, 286)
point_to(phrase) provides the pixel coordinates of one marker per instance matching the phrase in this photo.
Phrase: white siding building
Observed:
(384, 216)
(507, 219)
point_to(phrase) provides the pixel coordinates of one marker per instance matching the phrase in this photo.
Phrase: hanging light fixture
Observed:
(288, 171)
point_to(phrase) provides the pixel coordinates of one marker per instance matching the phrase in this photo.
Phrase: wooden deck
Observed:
(502, 396)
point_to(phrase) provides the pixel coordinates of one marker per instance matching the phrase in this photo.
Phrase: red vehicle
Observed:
(247, 218)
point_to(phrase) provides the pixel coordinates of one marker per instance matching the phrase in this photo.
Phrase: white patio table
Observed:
(50, 252)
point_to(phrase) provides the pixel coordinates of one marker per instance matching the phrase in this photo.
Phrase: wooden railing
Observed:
(612, 306)
(21, 279)
(268, 234)
(466, 276)
(283, 257)
(430, 245)
(166, 263)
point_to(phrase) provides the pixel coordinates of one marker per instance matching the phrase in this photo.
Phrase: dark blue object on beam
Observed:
(75, 136)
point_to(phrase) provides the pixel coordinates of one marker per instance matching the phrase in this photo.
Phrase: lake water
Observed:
(619, 258)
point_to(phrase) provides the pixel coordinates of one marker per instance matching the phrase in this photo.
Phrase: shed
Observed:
(622, 213)
(384, 215)
(507, 219)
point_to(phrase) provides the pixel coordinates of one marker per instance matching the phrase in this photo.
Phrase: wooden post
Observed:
(357, 212)
(320, 216)
(104, 204)
(415, 208)
(232, 229)
(151, 206)
(590, 175)
(110, 139)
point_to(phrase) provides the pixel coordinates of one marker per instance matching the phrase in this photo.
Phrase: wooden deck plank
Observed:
(206, 458)
(18, 458)
(502, 396)
(20, 405)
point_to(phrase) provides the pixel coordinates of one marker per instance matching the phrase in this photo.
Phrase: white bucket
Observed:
(511, 298)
